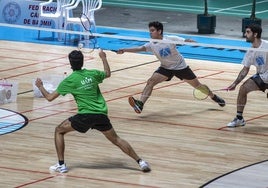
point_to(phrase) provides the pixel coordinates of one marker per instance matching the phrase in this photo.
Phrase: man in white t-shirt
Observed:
(259, 81)
(172, 64)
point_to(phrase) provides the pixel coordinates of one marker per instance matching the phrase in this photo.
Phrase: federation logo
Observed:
(11, 12)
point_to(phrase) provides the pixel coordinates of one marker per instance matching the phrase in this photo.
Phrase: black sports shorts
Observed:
(83, 122)
(183, 74)
(257, 79)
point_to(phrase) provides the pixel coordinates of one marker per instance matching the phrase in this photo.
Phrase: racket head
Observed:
(201, 92)
(88, 45)
(90, 41)
(86, 24)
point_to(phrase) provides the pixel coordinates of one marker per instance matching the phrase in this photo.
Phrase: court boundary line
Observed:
(211, 181)
(67, 175)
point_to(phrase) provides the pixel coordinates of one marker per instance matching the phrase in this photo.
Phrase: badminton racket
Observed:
(91, 41)
(202, 92)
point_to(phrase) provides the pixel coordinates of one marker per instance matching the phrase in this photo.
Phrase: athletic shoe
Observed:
(136, 104)
(236, 122)
(144, 166)
(219, 100)
(59, 168)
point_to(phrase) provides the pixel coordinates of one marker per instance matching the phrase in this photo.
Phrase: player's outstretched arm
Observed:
(242, 74)
(134, 49)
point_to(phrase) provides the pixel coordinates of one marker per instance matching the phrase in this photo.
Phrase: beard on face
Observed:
(248, 39)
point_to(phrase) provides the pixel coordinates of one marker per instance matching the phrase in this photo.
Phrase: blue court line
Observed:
(192, 52)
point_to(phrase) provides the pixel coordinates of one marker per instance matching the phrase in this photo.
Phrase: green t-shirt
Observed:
(84, 86)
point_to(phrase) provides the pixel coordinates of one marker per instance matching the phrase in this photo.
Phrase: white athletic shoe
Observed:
(236, 122)
(59, 168)
(144, 166)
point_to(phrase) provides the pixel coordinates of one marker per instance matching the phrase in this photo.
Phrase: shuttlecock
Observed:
(80, 46)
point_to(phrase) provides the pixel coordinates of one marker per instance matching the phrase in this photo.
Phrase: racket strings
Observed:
(89, 41)
(201, 92)
(82, 16)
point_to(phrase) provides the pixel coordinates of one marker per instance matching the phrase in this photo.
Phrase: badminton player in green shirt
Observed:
(83, 84)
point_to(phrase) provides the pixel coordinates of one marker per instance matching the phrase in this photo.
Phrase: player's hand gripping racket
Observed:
(202, 92)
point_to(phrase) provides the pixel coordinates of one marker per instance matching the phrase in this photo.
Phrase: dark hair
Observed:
(255, 28)
(76, 59)
(157, 25)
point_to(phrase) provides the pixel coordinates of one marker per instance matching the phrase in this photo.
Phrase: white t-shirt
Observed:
(167, 53)
(259, 60)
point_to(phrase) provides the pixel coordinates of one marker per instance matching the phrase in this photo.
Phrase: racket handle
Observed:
(223, 89)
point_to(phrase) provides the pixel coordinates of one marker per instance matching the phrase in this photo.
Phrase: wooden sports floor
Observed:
(185, 140)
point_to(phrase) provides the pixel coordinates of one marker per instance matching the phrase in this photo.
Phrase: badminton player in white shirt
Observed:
(172, 64)
(257, 82)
